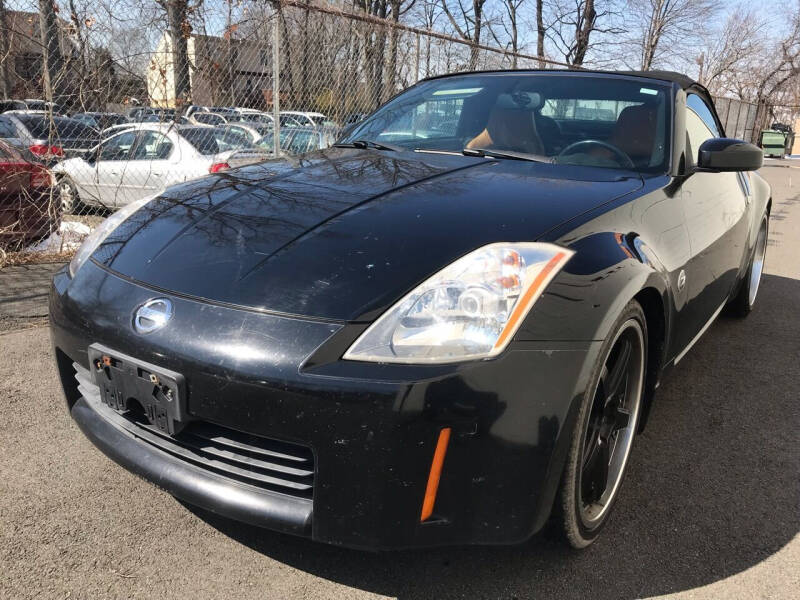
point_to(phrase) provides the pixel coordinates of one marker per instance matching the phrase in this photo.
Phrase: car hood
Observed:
(344, 233)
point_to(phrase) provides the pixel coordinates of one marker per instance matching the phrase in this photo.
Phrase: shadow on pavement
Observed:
(712, 488)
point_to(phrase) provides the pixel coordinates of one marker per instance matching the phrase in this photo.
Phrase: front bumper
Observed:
(372, 428)
(192, 484)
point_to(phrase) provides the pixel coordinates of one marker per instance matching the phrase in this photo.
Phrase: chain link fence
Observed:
(108, 101)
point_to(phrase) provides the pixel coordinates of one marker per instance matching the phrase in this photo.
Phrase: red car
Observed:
(26, 211)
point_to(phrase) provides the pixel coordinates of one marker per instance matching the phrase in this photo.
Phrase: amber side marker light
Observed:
(435, 474)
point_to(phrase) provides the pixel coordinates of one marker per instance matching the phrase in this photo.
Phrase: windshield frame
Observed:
(670, 90)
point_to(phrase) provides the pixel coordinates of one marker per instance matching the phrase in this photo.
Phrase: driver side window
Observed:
(700, 124)
(118, 147)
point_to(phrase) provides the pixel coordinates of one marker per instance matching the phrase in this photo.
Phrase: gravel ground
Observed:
(711, 507)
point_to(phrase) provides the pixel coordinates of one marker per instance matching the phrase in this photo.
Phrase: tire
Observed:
(605, 430)
(69, 200)
(742, 304)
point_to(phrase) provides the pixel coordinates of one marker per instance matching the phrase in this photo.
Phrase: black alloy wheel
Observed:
(606, 428)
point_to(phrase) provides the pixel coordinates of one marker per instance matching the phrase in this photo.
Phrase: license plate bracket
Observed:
(124, 380)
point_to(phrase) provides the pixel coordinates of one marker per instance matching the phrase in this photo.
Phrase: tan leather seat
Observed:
(509, 129)
(635, 132)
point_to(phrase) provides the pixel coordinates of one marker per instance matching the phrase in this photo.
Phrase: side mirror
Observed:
(727, 154)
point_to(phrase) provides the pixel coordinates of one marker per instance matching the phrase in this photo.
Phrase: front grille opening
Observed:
(135, 409)
(266, 463)
(66, 374)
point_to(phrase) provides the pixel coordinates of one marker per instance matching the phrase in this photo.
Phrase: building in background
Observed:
(88, 80)
(222, 72)
(23, 59)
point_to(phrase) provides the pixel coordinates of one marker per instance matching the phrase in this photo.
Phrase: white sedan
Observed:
(141, 161)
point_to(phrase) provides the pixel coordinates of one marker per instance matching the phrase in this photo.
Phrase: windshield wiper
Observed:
(510, 154)
(370, 144)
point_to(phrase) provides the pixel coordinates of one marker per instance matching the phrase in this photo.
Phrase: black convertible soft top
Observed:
(680, 79)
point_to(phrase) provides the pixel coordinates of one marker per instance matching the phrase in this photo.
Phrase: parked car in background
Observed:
(306, 119)
(140, 112)
(293, 141)
(9, 132)
(202, 117)
(192, 108)
(52, 138)
(154, 118)
(114, 129)
(143, 160)
(6, 105)
(253, 115)
(255, 130)
(299, 140)
(288, 120)
(26, 211)
(100, 120)
(43, 105)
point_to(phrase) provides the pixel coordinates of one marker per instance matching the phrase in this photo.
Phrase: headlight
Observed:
(102, 231)
(470, 309)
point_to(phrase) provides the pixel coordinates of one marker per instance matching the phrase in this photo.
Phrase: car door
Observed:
(112, 159)
(715, 207)
(149, 169)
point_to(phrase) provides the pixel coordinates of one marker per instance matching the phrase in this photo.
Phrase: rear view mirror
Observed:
(727, 154)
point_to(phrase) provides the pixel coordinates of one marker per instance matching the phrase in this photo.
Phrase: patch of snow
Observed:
(69, 236)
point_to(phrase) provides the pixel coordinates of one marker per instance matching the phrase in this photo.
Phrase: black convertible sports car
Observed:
(445, 329)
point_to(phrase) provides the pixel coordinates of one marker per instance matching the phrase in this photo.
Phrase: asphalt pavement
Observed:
(710, 508)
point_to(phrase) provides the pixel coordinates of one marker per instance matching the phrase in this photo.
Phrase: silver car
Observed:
(293, 141)
(48, 138)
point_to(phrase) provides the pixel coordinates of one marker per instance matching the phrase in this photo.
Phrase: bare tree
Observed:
(575, 22)
(430, 14)
(177, 12)
(777, 71)
(468, 25)
(727, 50)
(660, 27)
(5, 71)
(49, 33)
(397, 8)
(540, 32)
(374, 42)
(509, 22)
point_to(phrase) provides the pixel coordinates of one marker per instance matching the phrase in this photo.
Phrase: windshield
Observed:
(564, 118)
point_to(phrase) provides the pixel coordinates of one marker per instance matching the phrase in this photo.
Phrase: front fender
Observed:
(608, 270)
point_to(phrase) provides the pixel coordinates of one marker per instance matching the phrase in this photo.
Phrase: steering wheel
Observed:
(623, 159)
